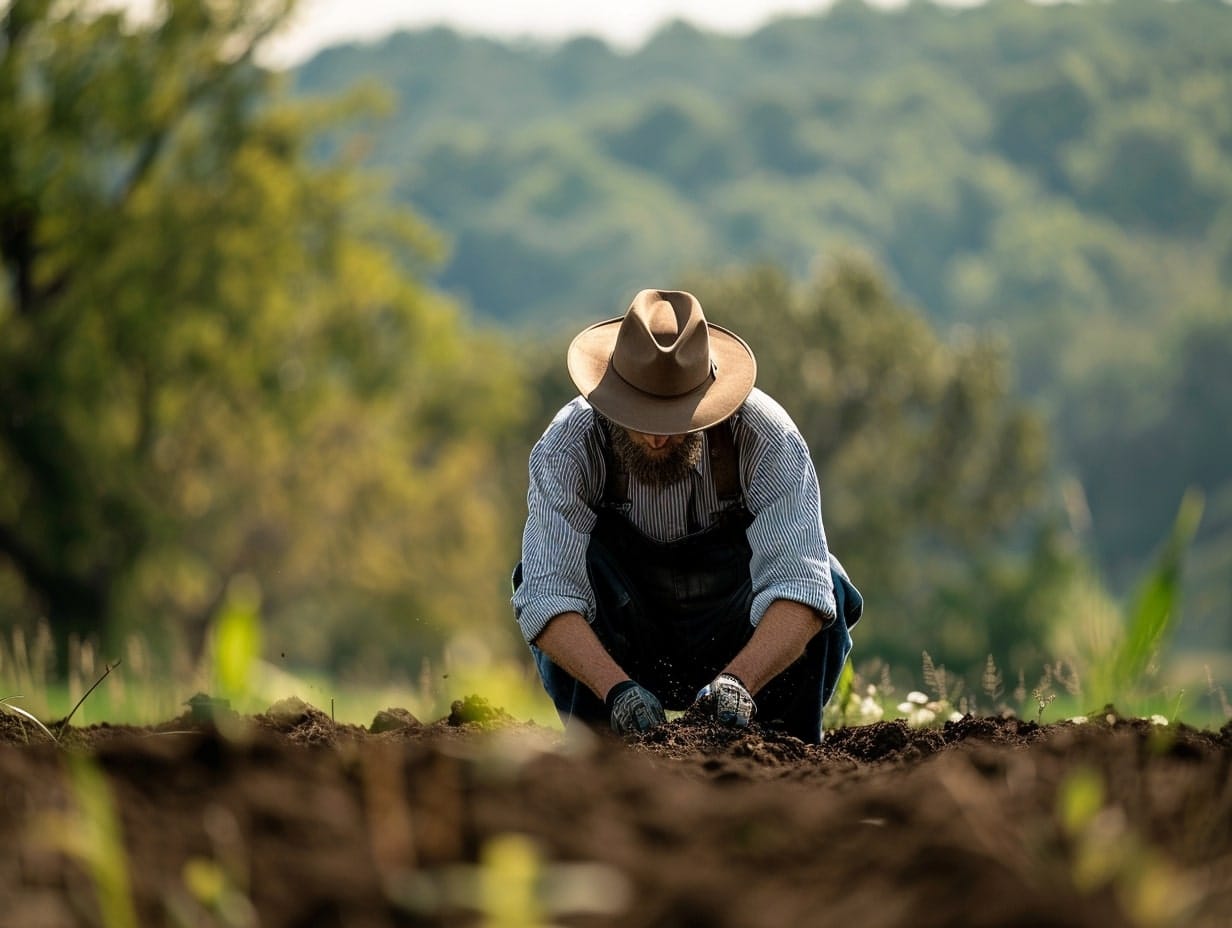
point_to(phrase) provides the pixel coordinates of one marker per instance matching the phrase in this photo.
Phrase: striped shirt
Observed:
(567, 474)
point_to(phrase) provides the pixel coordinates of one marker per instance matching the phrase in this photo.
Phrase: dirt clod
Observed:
(476, 710)
(393, 720)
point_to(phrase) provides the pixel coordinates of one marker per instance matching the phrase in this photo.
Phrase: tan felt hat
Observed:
(661, 368)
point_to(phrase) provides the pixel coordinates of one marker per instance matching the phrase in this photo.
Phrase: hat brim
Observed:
(735, 371)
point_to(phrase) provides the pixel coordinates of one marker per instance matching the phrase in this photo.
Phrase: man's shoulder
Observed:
(764, 416)
(571, 427)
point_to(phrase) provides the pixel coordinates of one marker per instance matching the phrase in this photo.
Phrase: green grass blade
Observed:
(1155, 608)
(98, 842)
(28, 716)
(846, 684)
(237, 640)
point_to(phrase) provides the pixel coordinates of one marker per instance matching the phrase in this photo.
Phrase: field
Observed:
(286, 818)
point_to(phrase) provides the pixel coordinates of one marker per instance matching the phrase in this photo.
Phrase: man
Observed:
(674, 551)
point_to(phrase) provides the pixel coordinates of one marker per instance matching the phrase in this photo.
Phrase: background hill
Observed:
(1059, 178)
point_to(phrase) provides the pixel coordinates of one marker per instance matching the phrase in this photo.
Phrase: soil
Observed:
(476, 819)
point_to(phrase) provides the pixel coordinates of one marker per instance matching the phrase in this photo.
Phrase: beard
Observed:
(657, 469)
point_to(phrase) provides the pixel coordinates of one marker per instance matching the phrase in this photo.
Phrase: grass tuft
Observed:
(1151, 615)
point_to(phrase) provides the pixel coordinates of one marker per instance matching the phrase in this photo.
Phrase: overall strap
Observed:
(616, 483)
(724, 463)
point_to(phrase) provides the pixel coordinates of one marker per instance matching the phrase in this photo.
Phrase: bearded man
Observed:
(674, 552)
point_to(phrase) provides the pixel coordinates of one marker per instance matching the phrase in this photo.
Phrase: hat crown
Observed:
(663, 346)
(661, 368)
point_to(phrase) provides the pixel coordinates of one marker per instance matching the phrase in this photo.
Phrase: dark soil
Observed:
(289, 819)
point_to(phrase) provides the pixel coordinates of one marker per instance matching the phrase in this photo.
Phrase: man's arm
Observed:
(790, 563)
(565, 481)
(572, 644)
(778, 641)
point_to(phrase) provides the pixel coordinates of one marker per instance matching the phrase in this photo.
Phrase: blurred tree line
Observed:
(224, 351)
(1056, 176)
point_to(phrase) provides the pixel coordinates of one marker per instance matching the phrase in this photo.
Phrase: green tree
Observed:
(933, 476)
(1166, 404)
(212, 362)
(1040, 114)
(1153, 167)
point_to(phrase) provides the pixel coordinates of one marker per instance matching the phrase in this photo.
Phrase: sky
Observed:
(626, 24)
(318, 23)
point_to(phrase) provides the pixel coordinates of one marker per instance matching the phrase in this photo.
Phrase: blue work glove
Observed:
(727, 700)
(633, 708)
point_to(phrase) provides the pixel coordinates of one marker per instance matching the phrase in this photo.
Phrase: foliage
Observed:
(213, 362)
(1022, 110)
(1121, 668)
(1110, 854)
(1168, 396)
(236, 639)
(933, 475)
(92, 834)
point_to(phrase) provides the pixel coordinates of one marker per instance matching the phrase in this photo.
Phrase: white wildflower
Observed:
(870, 710)
(921, 717)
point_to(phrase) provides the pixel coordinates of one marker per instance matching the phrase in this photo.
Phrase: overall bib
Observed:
(673, 614)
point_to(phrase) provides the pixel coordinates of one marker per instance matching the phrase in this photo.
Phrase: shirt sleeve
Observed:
(559, 521)
(790, 557)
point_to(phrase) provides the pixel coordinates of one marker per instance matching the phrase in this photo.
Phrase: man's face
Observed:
(657, 460)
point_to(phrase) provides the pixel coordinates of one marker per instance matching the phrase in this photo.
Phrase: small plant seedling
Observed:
(1042, 701)
(63, 723)
(7, 706)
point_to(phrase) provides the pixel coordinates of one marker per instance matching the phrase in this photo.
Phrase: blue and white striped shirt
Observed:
(567, 474)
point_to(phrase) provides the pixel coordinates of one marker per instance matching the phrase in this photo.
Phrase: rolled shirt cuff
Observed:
(533, 617)
(812, 593)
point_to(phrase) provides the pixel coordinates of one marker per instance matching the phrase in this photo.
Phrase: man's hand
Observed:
(727, 700)
(633, 708)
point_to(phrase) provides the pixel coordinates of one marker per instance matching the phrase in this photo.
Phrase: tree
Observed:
(1155, 169)
(1161, 438)
(933, 477)
(212, 362)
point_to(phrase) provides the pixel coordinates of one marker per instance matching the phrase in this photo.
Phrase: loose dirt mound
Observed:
(289, 819)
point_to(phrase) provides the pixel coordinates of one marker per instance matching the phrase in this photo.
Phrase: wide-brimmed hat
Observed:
(661, 368)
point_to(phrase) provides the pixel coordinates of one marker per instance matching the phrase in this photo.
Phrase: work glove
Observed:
(727, 700)
(633, 708)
